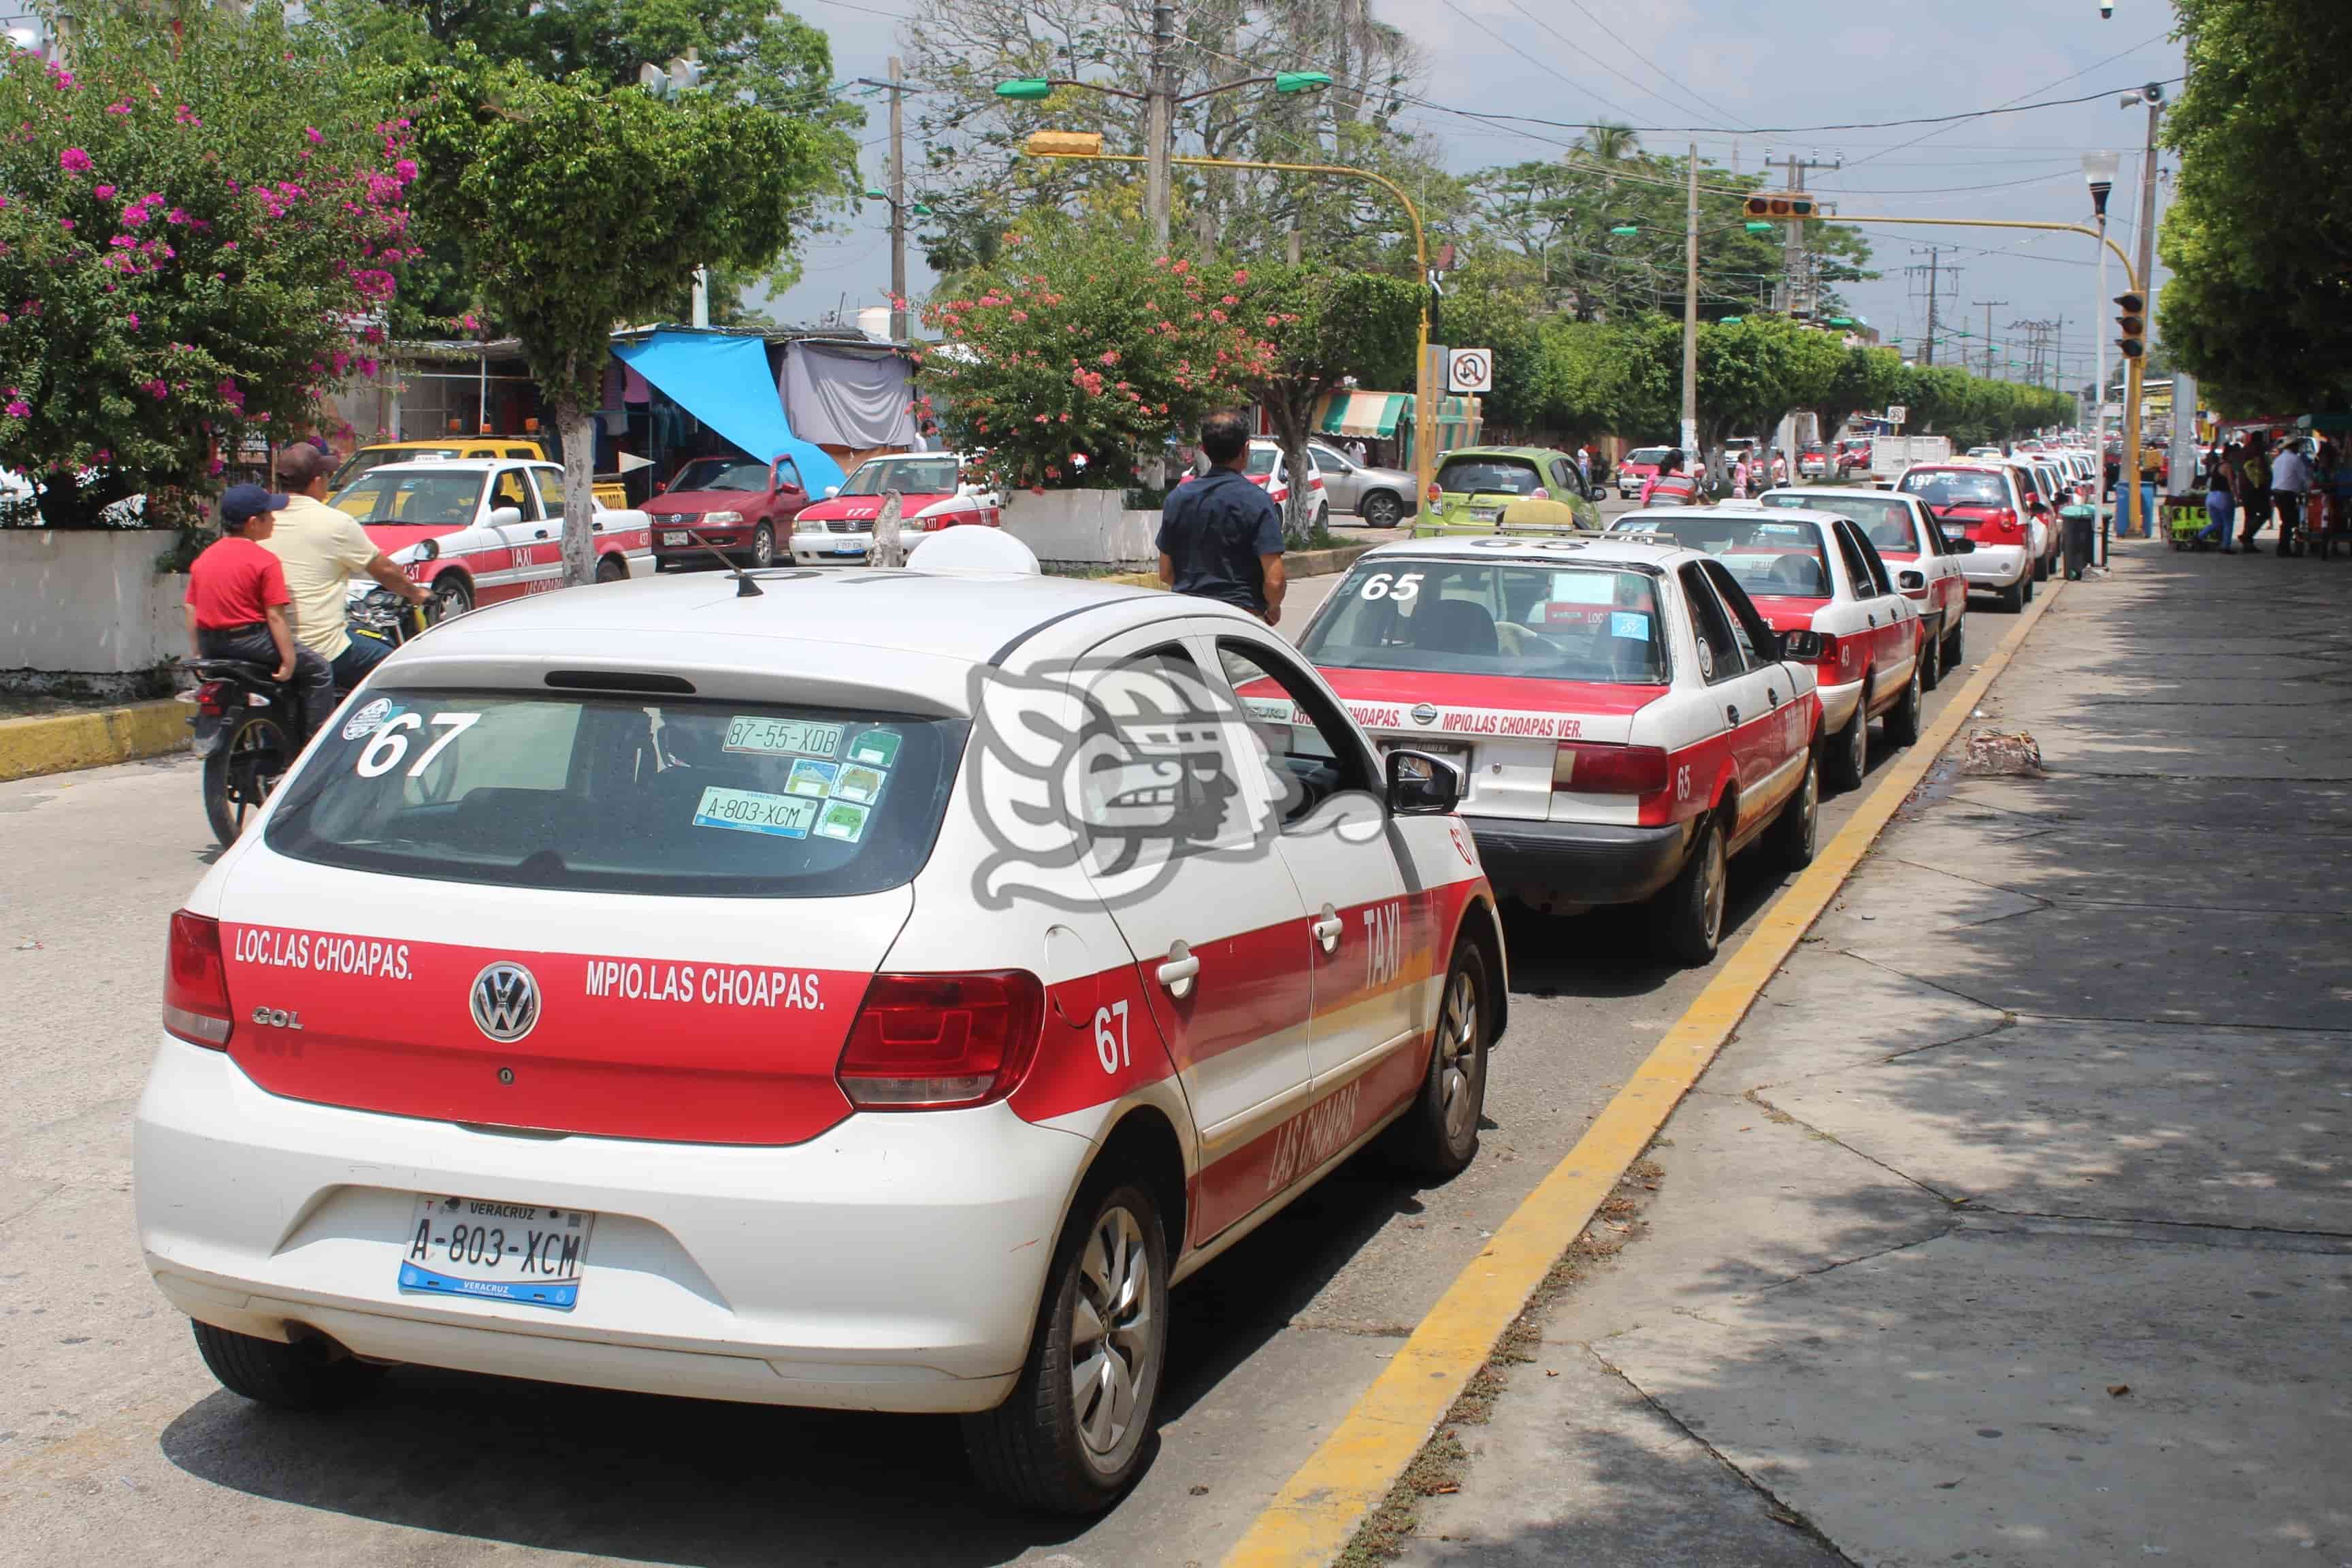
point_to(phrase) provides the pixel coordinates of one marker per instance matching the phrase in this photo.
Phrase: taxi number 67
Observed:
(389, 744)
(1110, 1036)
(1403, 588)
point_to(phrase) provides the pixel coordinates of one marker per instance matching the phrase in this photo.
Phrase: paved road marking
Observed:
(1312, 1518)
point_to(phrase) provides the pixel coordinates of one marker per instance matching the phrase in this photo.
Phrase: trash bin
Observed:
(2079, 522)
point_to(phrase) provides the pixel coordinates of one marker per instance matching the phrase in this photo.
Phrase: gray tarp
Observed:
(845, 399)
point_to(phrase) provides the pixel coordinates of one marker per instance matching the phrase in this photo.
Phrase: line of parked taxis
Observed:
(875, 990)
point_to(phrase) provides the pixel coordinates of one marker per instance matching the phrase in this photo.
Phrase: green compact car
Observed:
(1487, 489)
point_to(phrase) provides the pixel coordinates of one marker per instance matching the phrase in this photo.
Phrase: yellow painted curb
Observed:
(1312, 1518)
(60, 742)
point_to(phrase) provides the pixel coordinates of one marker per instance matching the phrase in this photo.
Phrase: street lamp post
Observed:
(2135, 372)
(1087, 146)
(2099, 170)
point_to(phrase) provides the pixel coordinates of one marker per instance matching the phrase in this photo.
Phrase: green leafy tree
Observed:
(1326, 325)
(1489, 304)
(1082, 348)
(1862, 378)
(197, 229)
(2259, 303)
(580, 207)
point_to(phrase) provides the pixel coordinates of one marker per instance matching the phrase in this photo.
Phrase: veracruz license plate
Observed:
(1486, 514)
(850, 550)
(677, 539)
(523, 1253)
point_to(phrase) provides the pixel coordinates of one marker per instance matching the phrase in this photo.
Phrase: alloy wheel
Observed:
(1457, 1046)
(1716, 876)
(1110, 1333)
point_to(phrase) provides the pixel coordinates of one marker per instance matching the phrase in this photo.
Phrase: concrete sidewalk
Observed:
(2016, 1225)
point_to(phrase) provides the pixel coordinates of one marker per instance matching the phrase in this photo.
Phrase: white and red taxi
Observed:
(628, 989)
(479, 530)
(934, 495)
(1268, 471)
(1925, 561)
(1625, 719)
(1986, 503)
(1817, 571)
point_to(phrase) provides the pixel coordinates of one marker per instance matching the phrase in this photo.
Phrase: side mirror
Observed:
(661, 487)
(1422, 785)
(1802, 646)
(1909, 579)
(831, 491)
(505, 516)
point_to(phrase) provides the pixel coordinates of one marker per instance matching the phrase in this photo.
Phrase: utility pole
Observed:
(898, 206)
(1792, 252)
(1988, 305)
(1935, 269)
(1160, 125)
(2128, 471)
(1690, 318)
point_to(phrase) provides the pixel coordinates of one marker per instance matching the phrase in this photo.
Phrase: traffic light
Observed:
(1782, 207)
(2132, 320)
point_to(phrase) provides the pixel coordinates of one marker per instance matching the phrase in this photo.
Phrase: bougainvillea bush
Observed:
(199, 226)
(1082, 352)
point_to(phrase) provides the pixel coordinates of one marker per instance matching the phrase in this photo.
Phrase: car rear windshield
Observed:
(618, 795)
(1490, 617)
(1647, 454)
(1888, 523)
(1261, 461)
(1782, 560)
(367, 458)
(722, 474)
(1956, 487)
(445, 499)
(1489, 477)
(907, 475)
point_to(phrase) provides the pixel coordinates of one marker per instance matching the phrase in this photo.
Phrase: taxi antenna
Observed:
(745, 588)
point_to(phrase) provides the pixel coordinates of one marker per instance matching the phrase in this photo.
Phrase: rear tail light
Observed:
(928, 1042)
(1837, 655)
(1435, 493)
(196, 983)
(1539, 493)
(1592, 767)
(213, 696)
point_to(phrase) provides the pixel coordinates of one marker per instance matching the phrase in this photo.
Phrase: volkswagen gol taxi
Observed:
(933, 491)
(1926, 562)
(1817, 571)
(1625, 719)
(628, 989)
(483, 531)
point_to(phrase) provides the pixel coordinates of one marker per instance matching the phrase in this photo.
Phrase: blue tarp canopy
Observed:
(725, 381)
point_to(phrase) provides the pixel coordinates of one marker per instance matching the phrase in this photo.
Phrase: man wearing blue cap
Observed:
(237, 602)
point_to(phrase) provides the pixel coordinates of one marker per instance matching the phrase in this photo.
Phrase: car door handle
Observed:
(540, 534)
(1328, 928)
(1773, 693)
(1731, 713)
(1180, 971)
(1874, 620)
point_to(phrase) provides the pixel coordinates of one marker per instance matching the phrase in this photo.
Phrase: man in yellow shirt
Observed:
(322, 549)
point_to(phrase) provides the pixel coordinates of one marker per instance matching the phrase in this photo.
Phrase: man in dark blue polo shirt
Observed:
(1220, 535)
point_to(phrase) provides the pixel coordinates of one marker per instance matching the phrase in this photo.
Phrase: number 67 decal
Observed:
(1110, 1036)
(389, 744)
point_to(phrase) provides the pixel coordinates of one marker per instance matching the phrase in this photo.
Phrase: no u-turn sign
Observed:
(1470, 370)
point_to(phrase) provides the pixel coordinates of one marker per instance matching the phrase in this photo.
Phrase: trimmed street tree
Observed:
(1081, 350)
(581, 206)
(1327, 326)
(197, 232)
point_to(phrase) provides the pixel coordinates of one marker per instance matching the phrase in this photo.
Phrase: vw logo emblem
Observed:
(1425, 714)
(505, 1002)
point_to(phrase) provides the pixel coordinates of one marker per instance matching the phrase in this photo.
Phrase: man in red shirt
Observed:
(237, 602)
(1670, 485)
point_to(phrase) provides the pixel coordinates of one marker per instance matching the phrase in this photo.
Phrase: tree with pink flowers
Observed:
(199, 226)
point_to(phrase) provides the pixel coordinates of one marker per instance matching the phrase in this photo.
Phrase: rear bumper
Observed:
(1990, 567)
(1838, 704)
(863, 1269)
(1578, 863)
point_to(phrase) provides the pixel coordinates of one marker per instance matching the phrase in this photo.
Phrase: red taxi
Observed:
(1986, 503)
(934, 493)
(1926, 562)
(1640, 465)
(1624, 719)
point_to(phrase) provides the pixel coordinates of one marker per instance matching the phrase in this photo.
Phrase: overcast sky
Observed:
(1740, 68)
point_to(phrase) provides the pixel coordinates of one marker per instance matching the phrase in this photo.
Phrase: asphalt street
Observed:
(116, 1445)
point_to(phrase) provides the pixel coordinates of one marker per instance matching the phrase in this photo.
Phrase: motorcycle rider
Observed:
(237, 602)
(322, 549)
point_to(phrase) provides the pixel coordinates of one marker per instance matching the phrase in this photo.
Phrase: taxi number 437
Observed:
(1403, 587)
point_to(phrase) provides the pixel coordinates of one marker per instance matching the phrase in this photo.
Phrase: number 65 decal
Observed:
(1681, 783)
(1110, 1036)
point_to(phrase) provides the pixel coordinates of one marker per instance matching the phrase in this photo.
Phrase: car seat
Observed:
(1798, 575)
(1456, 626)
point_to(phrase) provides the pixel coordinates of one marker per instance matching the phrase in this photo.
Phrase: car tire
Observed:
(1849, 752)
(1796, 832)
(2042, 568)
(1956, 648)
(613, 569)
(1044, 1448)
(763, 545)
(1380, 510)
(2025, 589)
(1438, 1134)
(304, 1374)
(1686, 919)
(1903, 719)
(1931, 663)
(452, 594)
(2013, 597)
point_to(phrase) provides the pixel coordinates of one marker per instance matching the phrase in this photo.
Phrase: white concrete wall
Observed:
(88, 602)
(1086, 528)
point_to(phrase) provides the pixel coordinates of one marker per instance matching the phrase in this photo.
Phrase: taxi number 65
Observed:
(1403, 588)
(390, 742)
(1110, 1044)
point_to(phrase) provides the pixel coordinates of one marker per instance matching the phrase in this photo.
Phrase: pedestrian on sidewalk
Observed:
(1220, 535)
(1670, 485)
(1740, 476)
(2290, 482)
(322, 550)
(2221, 503)
(2255, 492)
(237, 602)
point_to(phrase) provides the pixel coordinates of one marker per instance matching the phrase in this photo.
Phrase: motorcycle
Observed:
(248, 727)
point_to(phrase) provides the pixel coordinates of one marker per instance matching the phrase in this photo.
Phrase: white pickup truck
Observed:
(1891, 454)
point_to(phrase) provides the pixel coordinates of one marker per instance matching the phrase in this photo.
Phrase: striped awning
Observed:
(1371, 414)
